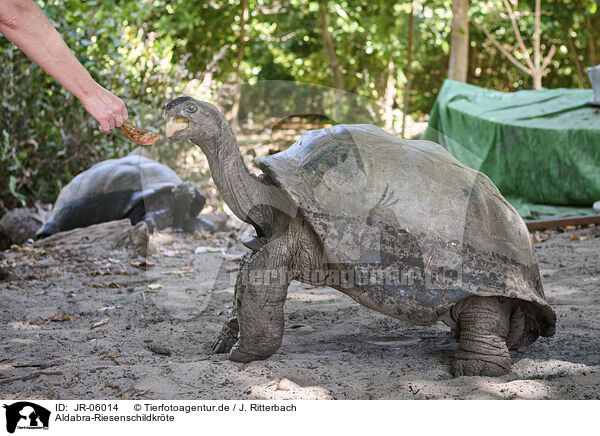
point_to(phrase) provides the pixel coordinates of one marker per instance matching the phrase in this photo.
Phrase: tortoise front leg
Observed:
(260, 295)
(229, 333)
(483, 324)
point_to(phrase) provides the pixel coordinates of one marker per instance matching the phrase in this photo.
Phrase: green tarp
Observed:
(540, 147)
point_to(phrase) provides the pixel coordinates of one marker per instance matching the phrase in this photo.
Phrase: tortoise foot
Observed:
(237, 355)
(227, 337)
(471, 364)
(222, 344)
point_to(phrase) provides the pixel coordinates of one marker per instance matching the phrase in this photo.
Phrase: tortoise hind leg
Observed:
(484, 324)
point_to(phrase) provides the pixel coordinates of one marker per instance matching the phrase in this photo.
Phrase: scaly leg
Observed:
(483, 324)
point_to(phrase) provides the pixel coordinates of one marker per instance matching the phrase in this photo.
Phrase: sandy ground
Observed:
(81, 319)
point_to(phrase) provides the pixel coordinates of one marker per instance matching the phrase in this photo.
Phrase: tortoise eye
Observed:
(191, 108)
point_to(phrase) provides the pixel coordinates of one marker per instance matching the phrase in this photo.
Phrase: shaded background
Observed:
(148, 52)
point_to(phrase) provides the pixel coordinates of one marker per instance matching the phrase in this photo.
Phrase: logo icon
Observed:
(26, 415)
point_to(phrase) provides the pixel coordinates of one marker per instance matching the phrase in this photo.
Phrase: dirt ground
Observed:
(82, 319)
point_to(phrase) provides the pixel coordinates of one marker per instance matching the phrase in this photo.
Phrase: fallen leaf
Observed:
(170, 253)
(99, 272)
(60, 317)
(104, 308)
(100, 323)
(296, 326)
(31, 276)
(154, 286)
(202, 250)
(179, 273)
(108, 272)
(142, 265)
(110, 356)
(15, 288)
(41, 293)
(539, 237)
(20, 249)
(233, 257)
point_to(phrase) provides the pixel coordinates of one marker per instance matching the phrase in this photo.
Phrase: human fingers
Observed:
(118, 120)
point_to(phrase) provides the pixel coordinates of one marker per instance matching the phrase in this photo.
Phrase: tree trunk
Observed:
(581, 77)
(408, 71)
(459, 41)
(329, 47)
(235, 109)
(537, 78)
(591, 42)
(389, 96)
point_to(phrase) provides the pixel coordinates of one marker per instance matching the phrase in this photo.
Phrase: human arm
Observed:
(24, 23)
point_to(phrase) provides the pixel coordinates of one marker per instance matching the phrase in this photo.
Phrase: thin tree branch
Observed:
(537, 38)
(503, 50)
(513, 20)
(548, 59)
(408, 71)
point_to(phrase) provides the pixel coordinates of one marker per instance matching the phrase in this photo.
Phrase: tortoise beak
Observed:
(175, 125)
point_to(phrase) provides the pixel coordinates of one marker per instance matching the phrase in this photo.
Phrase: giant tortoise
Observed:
(400, 226)
(133, 187)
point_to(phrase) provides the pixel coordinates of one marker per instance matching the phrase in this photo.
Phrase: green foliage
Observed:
(47, 136)
(148, 51)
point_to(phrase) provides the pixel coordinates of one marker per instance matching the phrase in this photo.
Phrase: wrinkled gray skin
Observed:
(309, 221)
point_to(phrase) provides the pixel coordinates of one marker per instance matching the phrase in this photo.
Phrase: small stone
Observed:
(157, 349)
(284, 385)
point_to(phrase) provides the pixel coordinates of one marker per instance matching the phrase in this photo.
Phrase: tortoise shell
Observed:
(110, 190)
(411, 229)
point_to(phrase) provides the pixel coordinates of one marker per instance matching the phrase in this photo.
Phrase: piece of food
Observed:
(140, 136)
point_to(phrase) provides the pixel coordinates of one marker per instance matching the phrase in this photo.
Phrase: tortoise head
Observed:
(188, 118)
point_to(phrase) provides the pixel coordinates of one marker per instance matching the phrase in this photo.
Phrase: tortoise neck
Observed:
(242, 192)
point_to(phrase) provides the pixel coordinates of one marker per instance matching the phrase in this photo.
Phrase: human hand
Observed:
(108, 109)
